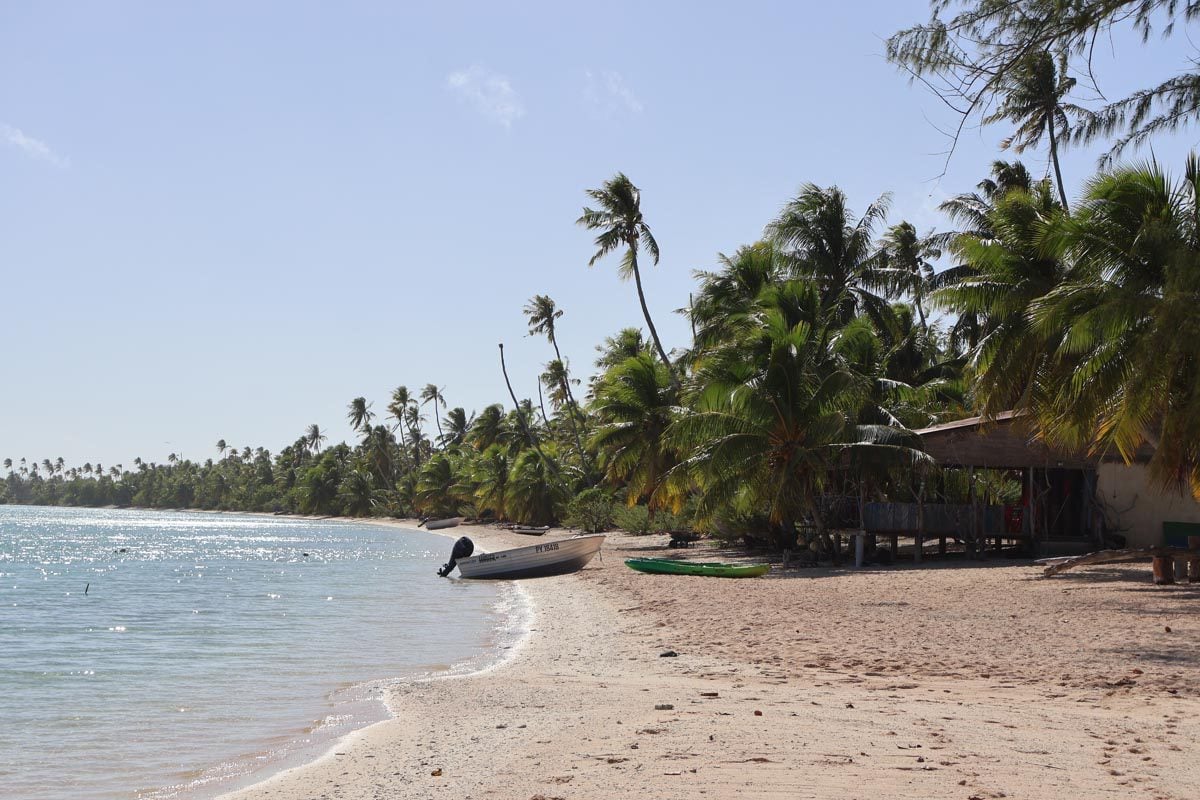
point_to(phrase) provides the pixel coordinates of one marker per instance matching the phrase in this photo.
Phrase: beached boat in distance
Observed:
(530, 530)
(439, 524)
(667, 566)
(535, 561)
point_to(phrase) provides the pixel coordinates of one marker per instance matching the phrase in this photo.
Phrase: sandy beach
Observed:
(963, 680)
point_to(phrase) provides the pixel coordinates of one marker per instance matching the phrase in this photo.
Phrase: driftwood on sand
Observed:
(1117, 556)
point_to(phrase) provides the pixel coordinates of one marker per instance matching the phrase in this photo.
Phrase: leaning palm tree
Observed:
(1034, 100)
(620, 223)
(1124, 326)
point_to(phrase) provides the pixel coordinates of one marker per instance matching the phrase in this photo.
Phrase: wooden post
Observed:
(860, 541)
(918, 551)
(1163, 568)
(974, 527)
(1193, 543)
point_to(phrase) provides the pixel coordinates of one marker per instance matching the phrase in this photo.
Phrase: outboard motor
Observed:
(462, 549)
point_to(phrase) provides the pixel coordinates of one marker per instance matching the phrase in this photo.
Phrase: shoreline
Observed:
(767, 703)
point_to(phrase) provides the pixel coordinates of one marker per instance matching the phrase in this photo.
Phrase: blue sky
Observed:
(226, 220)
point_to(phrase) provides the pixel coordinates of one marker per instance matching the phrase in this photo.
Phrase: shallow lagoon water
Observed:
(156, 655)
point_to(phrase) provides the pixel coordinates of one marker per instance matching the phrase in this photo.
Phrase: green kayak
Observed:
(715, 569)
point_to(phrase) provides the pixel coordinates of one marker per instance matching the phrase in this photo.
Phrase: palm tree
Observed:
(221, 447)
(432, 394)
(1001, 276)
(635, 404)
(542, 314)
(457, 426)
(909, 264)
(314, 438)
(360, 414)
(8, 462)
(826, 243)
(774, 420)
(1034, 94)
(728, 292)
(620, 224)
(1123, 326)
(490, 475)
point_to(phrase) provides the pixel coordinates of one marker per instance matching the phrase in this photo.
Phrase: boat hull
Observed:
(440, 524)
(665, 566)
(535, 561)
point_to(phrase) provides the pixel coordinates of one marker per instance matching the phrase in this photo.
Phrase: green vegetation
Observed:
(816, 351)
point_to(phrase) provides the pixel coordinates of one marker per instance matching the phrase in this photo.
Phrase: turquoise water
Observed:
(157, 655)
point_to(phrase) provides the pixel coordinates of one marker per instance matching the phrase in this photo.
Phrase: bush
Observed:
(636, 519)
(591, 510)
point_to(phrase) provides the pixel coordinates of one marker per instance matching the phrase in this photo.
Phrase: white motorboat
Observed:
(535, 561)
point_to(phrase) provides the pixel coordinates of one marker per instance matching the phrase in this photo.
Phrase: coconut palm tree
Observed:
(1034, 95)
(457, 425)
(221, 447)
(908, 264)
(729, 291)
(826, 243)
(490, 476)
(619, 222)
(314, 438)
(1002, 275)
(360, 414)
(542, 314)
(432, 394)
(1123, 325)
(635, 403)
(775, 416)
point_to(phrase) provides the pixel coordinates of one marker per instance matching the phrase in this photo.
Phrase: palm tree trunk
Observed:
(572, 409)
(524, 428)
(1062, 192)
(920, 311)
(542, 404)
(637, 277)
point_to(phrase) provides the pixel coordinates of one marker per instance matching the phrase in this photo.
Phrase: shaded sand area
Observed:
(963, 681)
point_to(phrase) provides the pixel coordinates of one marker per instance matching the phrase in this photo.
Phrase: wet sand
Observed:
(969, 680)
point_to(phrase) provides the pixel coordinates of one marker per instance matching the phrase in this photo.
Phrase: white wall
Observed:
(1138, 507)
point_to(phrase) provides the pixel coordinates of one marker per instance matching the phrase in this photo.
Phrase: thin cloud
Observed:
(34, 148)
(490, 93)
(607, 95)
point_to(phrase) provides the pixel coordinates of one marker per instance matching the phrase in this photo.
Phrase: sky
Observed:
(226, 220)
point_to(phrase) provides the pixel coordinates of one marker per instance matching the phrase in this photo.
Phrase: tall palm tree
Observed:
(908, 261)
(1034, 99)
(221, 447)
(432, 394)
(360, 414)
(542, 314)
(826, 243)
(620, 223)
(1123, 325)
(490, 475)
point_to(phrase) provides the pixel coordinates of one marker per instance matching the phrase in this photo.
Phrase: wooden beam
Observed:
(1116, 556)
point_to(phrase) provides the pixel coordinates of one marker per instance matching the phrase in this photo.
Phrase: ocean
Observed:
(156, 655)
